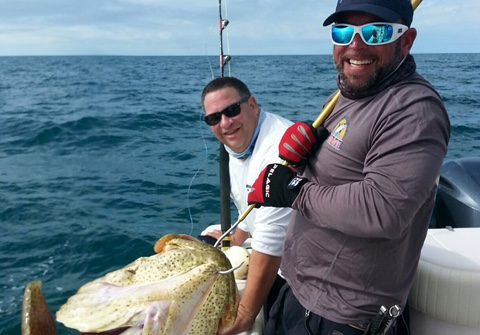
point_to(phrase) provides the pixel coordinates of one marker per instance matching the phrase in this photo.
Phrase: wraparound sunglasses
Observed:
(231, 111)
(376, 33)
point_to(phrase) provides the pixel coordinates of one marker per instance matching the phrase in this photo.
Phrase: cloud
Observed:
(66, 27)
(447, 26)
(190, 27)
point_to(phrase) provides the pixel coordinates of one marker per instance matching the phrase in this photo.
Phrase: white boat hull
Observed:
(445, 298)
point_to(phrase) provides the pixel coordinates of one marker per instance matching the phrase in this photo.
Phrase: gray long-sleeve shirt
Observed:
(354, 241)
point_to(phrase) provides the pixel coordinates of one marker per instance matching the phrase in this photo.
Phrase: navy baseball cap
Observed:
(387, 10)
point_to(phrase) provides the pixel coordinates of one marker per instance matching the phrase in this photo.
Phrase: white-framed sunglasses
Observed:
(376, 33)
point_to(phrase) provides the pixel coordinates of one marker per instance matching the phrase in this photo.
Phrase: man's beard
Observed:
(376, 77)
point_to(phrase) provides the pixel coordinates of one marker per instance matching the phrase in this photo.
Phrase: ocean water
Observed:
(100, 156)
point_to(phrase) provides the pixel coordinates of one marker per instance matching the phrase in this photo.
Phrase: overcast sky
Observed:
(190, 27)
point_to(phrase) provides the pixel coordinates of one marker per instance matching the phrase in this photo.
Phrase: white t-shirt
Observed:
(266, 225)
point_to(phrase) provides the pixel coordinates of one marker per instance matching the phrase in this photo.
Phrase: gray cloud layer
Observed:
(189, 27)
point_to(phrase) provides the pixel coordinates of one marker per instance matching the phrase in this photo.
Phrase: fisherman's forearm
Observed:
(262, 272)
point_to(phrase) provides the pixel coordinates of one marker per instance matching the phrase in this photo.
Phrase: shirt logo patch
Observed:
(338, 134)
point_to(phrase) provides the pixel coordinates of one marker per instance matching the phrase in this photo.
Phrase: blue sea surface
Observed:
(101, 156)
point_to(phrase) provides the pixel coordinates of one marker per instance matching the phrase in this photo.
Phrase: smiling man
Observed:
(363, 203)
(251, 137)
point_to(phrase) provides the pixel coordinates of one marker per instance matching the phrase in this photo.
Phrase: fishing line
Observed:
(208, 61)
(224, 60)
(191, 183)
(206, 155)
(211, 68)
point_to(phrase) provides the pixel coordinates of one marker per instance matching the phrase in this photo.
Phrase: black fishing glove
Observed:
(276, 186)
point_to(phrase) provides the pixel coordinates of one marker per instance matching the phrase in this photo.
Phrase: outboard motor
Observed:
(458, 195)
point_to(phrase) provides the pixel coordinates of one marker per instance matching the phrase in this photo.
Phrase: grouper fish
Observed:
(185, 288)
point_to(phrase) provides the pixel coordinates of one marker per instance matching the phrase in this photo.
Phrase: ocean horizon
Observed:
(216, 56)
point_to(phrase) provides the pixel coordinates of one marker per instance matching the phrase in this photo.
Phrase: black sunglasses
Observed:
(231, 111)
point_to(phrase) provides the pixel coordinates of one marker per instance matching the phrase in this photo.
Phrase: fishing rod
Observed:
(225, 213)
(223, 23)
(326, 111)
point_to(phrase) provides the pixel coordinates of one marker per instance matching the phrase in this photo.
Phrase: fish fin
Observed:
(36, 317)
(156, 317)
(99, 306)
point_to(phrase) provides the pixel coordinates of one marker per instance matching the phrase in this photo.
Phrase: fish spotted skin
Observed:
(179, 290)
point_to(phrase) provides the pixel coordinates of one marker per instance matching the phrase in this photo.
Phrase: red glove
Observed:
(276, 186)
(300, 141)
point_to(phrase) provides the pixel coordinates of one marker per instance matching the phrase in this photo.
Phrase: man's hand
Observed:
(237, 238)
(216, 233)
(276, 186)
(299, 142)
